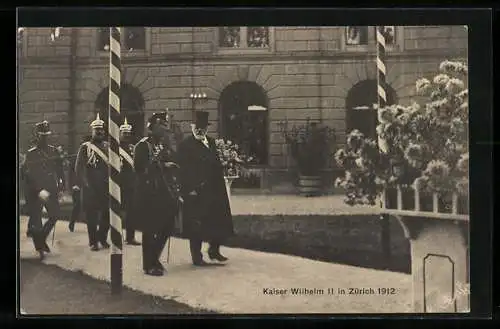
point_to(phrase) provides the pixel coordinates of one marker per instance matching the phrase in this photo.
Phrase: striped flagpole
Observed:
(114, 160)
(385, 237)
(381, 75)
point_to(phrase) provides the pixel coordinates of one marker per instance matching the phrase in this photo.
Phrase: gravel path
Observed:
(241, 286)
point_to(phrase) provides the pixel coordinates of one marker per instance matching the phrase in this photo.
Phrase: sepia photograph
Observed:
(243, 170)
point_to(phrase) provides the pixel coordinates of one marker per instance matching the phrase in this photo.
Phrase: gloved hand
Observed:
(44, 195)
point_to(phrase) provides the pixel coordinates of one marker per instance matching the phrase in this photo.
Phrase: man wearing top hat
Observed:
(156, 195)
(127, 180)
(44, 181)
(91, 171)
(207, 216)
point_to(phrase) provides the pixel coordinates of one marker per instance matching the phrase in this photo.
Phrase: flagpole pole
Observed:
(114, 165)
(385, 237)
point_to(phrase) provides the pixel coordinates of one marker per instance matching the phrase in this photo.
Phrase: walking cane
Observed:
(168, 250)
(54, 233)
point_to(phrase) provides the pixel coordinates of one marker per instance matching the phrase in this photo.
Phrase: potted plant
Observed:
(310, 148)
(233, 161)
(426, 148)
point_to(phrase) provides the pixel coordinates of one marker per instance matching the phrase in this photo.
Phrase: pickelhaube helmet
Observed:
(42, 128)
(97, 123)
(125, 127)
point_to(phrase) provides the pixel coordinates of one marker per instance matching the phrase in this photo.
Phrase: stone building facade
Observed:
(290, 73)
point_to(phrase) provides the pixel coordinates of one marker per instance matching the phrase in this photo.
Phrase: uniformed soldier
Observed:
(91, 171)
(127, 180)
(76, 195)
(156, 195)
(44, 181)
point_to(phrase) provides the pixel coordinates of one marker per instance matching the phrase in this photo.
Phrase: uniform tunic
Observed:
(42, 170)
(153, 200)
(91, 172)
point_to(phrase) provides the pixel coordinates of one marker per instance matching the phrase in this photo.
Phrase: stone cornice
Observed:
(246, 58)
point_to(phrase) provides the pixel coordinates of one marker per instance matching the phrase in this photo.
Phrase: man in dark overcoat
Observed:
(127, 180)
(44, 181)
(207, 215)
(91, 171)
(156, 196)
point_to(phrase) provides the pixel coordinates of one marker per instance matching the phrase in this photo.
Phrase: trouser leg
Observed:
(92, 220)
(160, 242)
(214, 247)
(103, 225)
(76, 206)
(195, 248)
(53, 212)
(148, 250)
(36, 207)
(129, 226)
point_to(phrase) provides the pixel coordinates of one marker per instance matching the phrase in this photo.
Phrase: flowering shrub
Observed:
(231, 157)
(428, 143)
(310, 145)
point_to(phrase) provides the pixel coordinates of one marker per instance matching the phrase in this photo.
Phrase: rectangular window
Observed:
(229, 37)
(134, 38)
(244, 37)
(389, 33)
(356, 36)
(258, 37)
(103, 39)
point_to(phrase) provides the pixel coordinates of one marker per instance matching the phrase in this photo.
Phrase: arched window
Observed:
(244, 118)
(131, 107)
(359, 104)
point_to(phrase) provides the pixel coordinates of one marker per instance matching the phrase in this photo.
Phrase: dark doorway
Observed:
(360, 114)
(131, 107)
(247, 128)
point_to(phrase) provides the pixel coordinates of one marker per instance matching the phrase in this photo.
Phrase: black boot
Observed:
(214, 254)
(71, 226)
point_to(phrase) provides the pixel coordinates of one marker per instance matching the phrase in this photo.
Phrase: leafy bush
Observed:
(428, 143)
(310, 145)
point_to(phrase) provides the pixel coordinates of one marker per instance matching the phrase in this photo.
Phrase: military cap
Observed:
(42, 128)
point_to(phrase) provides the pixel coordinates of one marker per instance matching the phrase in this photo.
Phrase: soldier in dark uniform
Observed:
(207, 215)
(157, 195)
(127, 177)
(76, 194)
(91, 170)
(44, 181)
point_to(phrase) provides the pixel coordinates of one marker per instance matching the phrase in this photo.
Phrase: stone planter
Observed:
(229, 181)
(438, 231)
(309, 185)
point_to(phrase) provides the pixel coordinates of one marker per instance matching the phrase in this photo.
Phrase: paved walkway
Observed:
(241, 286)
(288, 205)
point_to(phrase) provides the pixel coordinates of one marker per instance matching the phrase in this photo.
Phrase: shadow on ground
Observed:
(48, 289)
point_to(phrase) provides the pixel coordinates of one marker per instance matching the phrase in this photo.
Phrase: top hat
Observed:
(42, 128)
(158, 117)
(201, 119)
(97, 123)
(125, 127)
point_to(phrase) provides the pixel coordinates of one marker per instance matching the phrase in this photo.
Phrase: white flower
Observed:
(423, 85)
(441, 79)
(454, 85)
